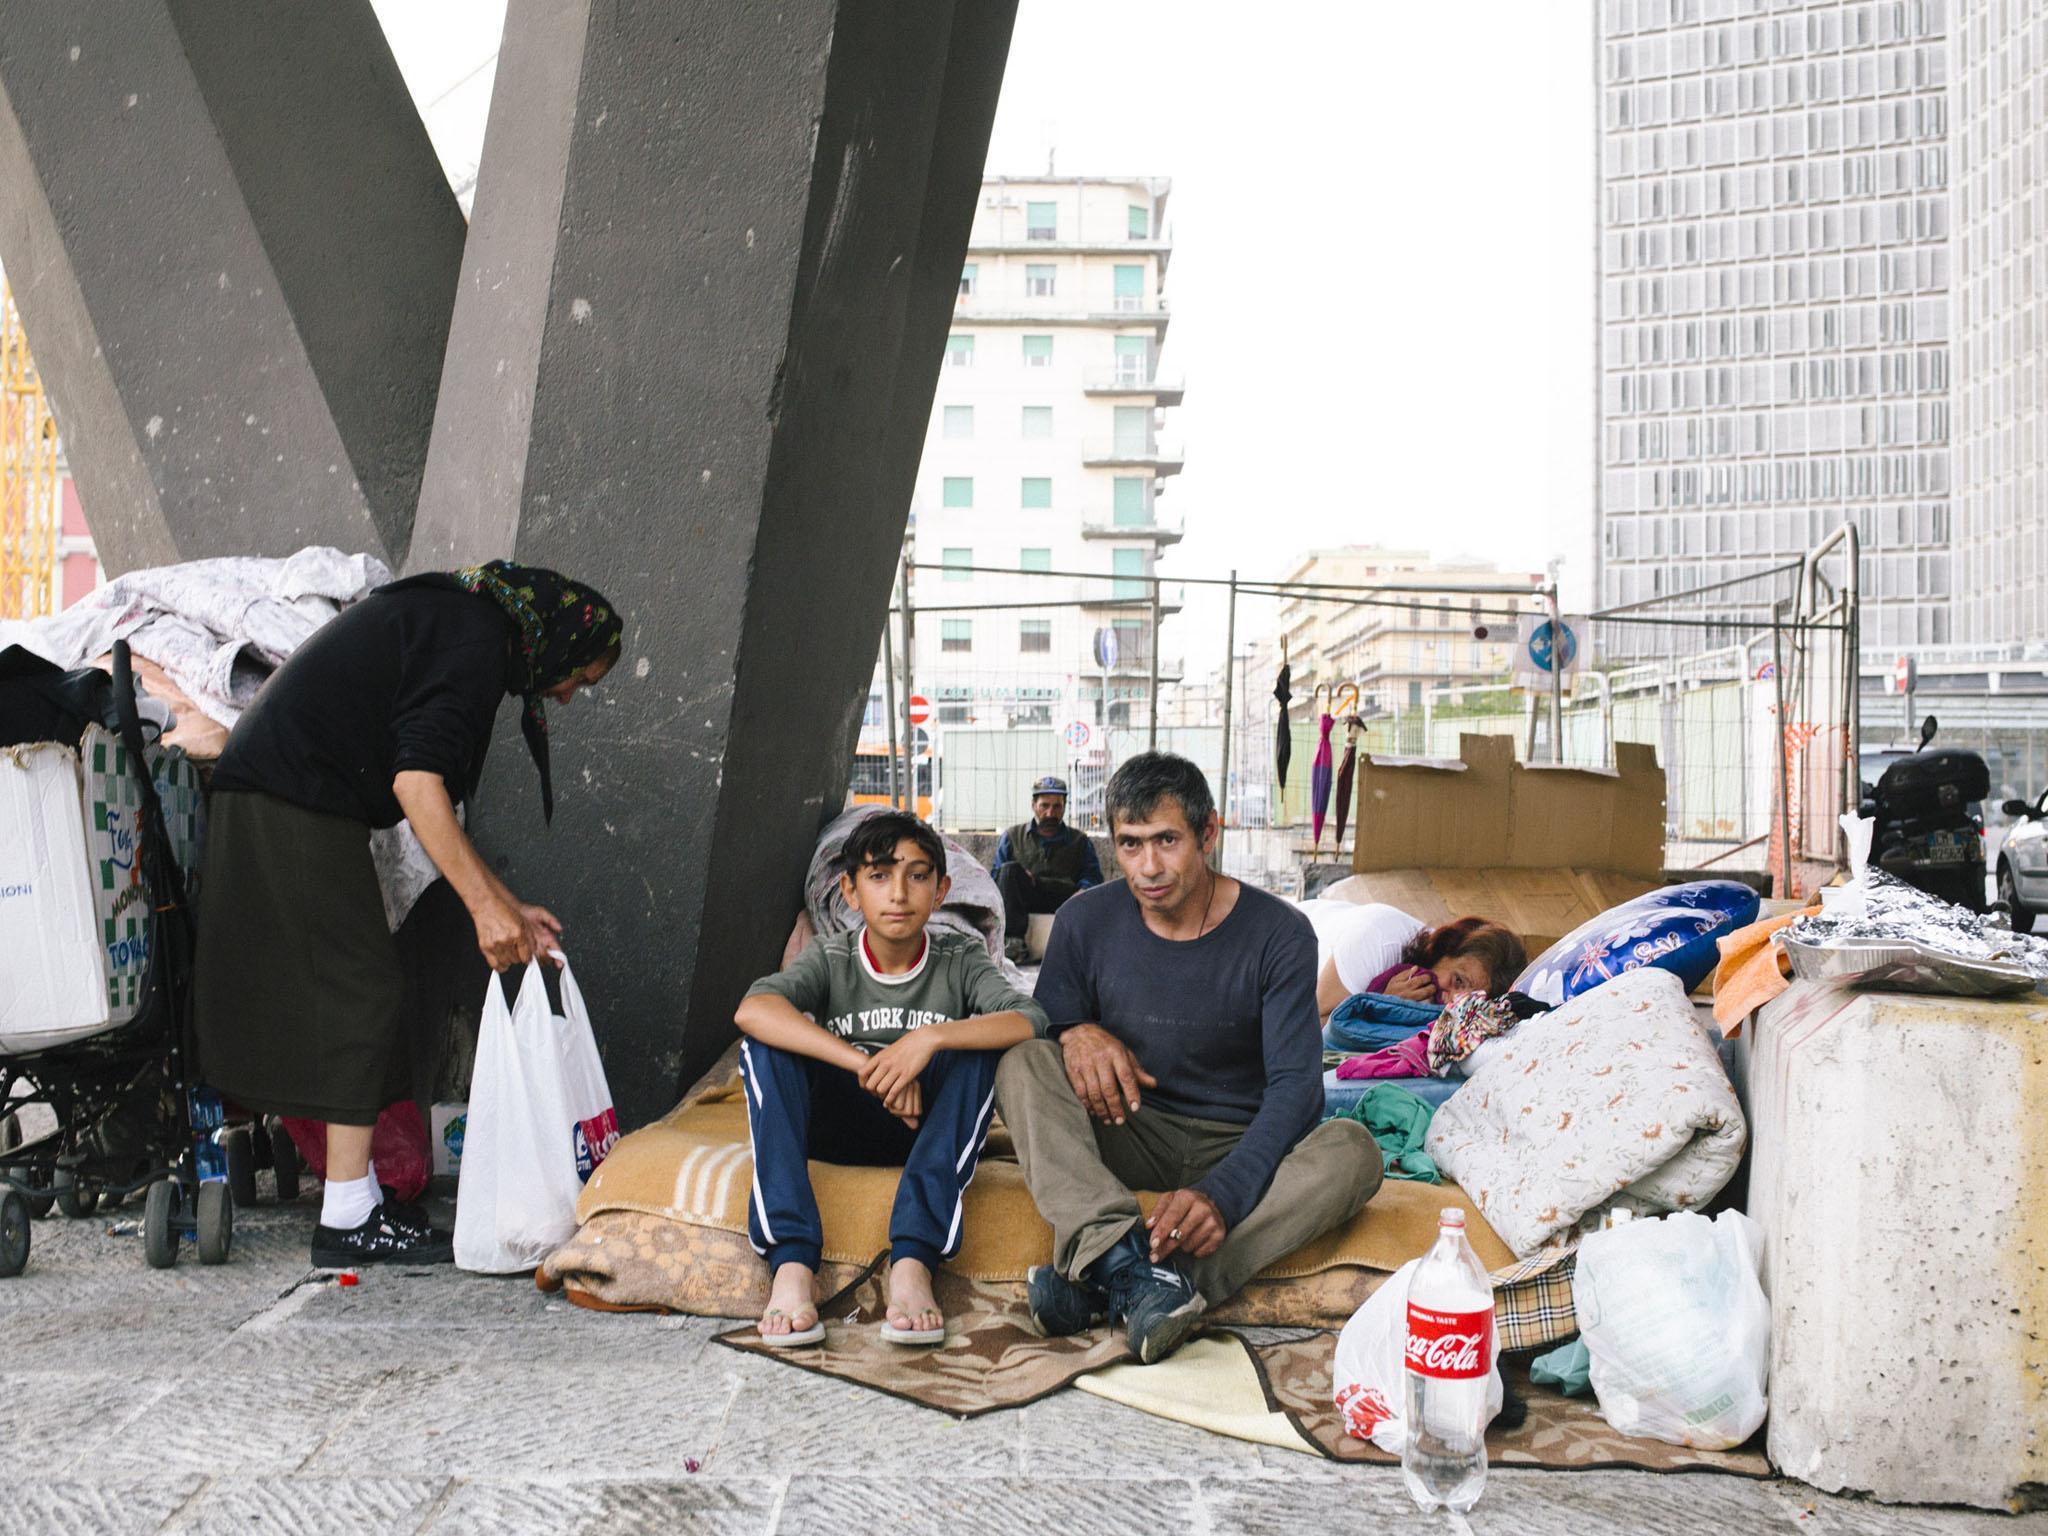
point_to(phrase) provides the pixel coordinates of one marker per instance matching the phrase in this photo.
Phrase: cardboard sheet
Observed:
(1488, 812)
(1541, 905)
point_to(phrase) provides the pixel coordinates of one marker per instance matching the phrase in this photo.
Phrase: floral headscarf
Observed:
(560, 627)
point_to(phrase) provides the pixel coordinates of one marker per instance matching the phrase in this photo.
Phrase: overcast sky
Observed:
(1382, 280)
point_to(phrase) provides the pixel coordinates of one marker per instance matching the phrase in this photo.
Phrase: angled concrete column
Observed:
(698, 332)
(235, 255)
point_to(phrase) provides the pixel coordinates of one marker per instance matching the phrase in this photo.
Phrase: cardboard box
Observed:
(1539, 850)
(445, 1134)
(53, 976)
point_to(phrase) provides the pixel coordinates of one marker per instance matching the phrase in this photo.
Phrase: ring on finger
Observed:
(1174, 1234)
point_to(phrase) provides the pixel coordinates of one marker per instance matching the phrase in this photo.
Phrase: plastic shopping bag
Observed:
(1370, 1373)
(540, 1120)
(1675, 1321)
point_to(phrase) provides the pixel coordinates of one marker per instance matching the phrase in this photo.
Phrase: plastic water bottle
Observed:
(1449, 1358)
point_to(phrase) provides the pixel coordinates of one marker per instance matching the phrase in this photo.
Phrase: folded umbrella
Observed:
(1319, 782)
(1283, 732)
(1346, 771)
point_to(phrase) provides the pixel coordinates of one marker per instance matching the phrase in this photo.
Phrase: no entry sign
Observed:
(920, 709)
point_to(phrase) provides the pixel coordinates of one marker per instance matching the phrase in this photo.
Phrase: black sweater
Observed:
(403, 680)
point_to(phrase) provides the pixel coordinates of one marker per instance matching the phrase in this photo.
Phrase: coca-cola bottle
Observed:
(1450, 1358)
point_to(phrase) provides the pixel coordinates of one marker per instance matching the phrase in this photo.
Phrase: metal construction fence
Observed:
(1018, 673)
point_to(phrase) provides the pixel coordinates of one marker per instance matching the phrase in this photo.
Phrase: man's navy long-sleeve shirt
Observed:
(1227, 1023)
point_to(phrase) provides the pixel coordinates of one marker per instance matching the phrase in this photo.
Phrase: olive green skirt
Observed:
(298, 993)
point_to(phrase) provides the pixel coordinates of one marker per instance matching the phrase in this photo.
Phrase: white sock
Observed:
(347, 1205)
(375, 1182)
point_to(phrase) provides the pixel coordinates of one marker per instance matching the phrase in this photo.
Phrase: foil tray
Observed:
(1904, 965)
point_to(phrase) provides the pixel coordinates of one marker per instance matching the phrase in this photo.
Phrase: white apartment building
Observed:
(1046, 454)
(2001, 322)
(1775, 297)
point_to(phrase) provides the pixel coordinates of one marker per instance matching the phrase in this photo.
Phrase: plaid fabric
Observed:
(114, 804)
(1532, 1300)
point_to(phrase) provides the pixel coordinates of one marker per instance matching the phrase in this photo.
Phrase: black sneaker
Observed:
(1157, 1305)
(409, 1214)
(1060, 1307)
(383, 1239)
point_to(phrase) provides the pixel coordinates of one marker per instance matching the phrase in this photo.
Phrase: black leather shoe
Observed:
(383, 1239)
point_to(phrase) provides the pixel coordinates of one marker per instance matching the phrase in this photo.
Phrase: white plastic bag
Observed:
(540, 1121)
(1677, 1327)
(1370, 1372)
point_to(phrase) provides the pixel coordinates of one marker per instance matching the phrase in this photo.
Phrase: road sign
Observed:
(920, 709)
(1079, 734)
(1105, 648)
(1905, 673)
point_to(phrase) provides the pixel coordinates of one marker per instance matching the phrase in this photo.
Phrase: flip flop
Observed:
(913, 1336)
(796, 1338)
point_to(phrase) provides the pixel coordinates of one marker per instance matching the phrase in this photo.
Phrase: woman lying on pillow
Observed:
(1430, 965)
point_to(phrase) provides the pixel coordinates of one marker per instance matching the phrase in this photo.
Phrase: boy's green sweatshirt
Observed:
(837, 985)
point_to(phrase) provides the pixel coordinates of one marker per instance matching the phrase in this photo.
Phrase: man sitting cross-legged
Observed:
(1184, 1056)
(895, 1063)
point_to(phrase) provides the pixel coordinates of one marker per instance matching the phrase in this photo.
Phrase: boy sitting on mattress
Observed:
(876, 1046)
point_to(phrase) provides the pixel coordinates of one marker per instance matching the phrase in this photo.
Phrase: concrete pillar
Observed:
(235, 255)
(699, 327)
(1899, 1168)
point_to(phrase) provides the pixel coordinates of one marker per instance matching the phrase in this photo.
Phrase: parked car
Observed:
(2023, 863)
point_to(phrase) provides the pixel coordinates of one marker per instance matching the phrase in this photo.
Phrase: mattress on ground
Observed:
(663, 1225)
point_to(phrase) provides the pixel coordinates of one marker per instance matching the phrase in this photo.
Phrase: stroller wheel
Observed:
(14, 1234)
(241, 1158)
(159, 1237)
(216, 1223)
(284, 1158)
(73, 1198)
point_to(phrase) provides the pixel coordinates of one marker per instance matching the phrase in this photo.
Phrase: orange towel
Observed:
(1752, 970)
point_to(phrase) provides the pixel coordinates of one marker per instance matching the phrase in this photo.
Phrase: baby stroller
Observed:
(129, 1115)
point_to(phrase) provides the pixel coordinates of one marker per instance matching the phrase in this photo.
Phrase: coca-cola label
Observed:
(1449, 1346)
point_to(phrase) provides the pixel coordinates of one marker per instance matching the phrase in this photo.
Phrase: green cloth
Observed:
(833, 983)
(1399, 1122)
(1568, 1368)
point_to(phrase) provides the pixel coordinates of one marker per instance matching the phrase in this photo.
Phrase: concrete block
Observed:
(1900, 1173)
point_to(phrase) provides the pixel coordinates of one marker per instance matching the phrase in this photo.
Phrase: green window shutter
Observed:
(1130, 282)
(1040, 280)
(1038, 421)
(1037, 351)
(956, 634)
(969, 274)
(956, 562)
(1037, 492)
(1034, 559)
(960, 351)
(1133, 346)
(958, 491)
(1128, 562)
(959, 421)
(1129, 507)
(1041, 221)
(1141, 222)
(1133, 428)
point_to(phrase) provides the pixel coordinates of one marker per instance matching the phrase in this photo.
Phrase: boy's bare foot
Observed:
(913, 1313)
(792, 1312)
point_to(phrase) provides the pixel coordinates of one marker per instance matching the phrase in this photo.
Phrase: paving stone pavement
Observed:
(259, 1396)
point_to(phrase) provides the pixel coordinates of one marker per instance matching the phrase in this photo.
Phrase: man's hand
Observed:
(1185, 1221)
(1414, 984)
(1105, 1075)
(908, 1104)
(501, 932)
(898, 1066)
(543, 930)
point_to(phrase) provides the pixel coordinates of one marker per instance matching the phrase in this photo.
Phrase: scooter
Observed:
(1930, 830)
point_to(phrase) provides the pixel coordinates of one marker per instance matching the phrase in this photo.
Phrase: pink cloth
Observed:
(1409, 1058)
(1379, 982)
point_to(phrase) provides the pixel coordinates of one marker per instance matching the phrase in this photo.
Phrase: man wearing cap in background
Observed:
(1042, 862)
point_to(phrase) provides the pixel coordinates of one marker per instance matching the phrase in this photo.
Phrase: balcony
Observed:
(1165, 388)
(1130, 596)
(1163, 456)
(1104, 525)
(981, 308)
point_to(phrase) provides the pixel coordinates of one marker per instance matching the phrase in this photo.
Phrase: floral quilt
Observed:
(1616, 1096)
